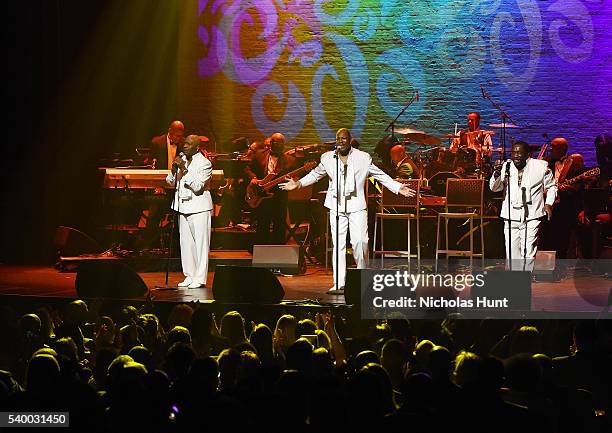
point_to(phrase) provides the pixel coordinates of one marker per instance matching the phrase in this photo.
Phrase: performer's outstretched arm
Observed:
(392, 185)
(315, 175)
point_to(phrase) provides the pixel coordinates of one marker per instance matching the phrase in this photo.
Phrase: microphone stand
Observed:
(504, 117)
(526, 214)
(177, 187)
(391, 125)
(509, 216)
(337, 244)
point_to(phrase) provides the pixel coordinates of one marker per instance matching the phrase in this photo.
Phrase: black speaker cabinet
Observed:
(108, 279)
(515, 286)
(241, 284)
(280, 259)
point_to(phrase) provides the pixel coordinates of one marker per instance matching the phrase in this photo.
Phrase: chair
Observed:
(397, 207)
(298, 214)
(462, 193)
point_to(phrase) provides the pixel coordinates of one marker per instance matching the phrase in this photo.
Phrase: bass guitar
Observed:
(594, 172)
(256, 193)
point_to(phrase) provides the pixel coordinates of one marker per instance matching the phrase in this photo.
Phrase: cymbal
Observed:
(481, 131)
(499, 125)
(449, 136)
(432, 148)
(408, 131)
(423, 139)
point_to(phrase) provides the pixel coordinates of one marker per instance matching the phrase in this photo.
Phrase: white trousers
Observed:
(523, 243)
(194, 230)
(357, 223)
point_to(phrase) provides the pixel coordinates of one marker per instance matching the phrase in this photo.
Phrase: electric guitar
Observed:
(594, 172)
(256, 193)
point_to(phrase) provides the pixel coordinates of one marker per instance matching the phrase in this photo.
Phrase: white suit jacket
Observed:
(352, 195)
(540, 188)
(193, 195)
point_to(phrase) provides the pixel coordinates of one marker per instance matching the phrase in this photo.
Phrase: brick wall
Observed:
(306, 68)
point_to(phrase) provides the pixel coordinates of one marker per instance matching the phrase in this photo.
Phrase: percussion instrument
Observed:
(437, 182)
(501, 125)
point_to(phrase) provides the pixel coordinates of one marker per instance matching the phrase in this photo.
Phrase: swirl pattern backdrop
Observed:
(306, 68)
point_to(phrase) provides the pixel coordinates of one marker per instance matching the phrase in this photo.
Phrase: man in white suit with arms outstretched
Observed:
(354, 168)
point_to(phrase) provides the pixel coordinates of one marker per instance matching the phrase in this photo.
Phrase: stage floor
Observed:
(48, 282)
(582, 292)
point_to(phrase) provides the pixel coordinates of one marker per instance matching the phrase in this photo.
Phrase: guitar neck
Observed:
(279, 179)
(593, 172)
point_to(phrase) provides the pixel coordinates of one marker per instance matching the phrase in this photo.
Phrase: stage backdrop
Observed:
(307, 68)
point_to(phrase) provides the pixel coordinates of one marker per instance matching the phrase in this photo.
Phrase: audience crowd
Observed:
(118, 368)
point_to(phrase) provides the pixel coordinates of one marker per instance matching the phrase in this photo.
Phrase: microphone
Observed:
(175, 165)
(484, 93)
(498, 169)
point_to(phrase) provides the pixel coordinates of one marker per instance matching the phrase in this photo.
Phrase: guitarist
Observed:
(557, 231)
(273, 211)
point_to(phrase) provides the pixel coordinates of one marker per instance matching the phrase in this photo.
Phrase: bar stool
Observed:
(464, 193)
(397, 207)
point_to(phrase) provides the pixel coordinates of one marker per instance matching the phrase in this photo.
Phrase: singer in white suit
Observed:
(532, 194)
(354, 167)
(193, 203)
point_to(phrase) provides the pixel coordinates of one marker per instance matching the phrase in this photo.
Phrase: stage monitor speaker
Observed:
(544, 266)
(513, 285)
(352, 287)
(108, 279)
(241, 284)
(363, 299)
(72, 242)
(280, 259)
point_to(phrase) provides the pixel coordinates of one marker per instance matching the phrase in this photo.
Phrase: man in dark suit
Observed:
(165, 147)
(273, 210)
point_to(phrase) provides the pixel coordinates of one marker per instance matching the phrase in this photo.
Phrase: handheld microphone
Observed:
(175, 165)
(508, 162)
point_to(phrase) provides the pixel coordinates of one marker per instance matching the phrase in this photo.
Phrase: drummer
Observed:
(473, 138)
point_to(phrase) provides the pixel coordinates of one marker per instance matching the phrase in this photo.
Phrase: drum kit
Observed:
(438, 162)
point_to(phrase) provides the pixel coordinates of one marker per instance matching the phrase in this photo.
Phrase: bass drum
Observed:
(437, 182)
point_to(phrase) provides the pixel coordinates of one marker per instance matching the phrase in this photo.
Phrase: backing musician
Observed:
(164, 149)
(273, 210)
(402, 165)
(473, 138)
(556, 234)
